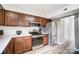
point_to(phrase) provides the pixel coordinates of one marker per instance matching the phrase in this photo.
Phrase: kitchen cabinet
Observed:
(11, 18)
(45, 39)
(1, 17)
(22, 44)
(16, 19)
(21, 19)
(37, 19)
(9, 48)
(43, 21)
(28, 43)
(19, 45)
(24, 20)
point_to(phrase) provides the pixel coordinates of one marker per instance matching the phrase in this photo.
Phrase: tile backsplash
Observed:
(9, 30)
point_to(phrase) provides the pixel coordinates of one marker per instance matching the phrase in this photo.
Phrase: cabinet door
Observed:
(11, 18)
(24, 20)
(37, 19)
(23, 44)
(34, 19)
(1, 17)
(45, 40)
(19, 45)
(28, 43)
(43, 21)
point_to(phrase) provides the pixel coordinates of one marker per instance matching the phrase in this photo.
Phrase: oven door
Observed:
(37, 41)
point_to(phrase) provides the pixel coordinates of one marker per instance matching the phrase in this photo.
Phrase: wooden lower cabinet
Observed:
(22, 44)
(19, 45)
(28, 43)
(45, 39)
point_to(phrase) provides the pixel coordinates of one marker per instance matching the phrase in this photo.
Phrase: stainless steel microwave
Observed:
(35, 24)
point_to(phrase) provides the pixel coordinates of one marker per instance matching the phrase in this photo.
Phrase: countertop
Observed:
(5, 39)
(37, 36)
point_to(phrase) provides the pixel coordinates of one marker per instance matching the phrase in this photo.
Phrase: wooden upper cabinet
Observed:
(43, 21)
(34, 19)
(40, 20)
(24, 20)
(16, 19)
(11, 18)
(37, 19)
(1, 17)
(20, 19)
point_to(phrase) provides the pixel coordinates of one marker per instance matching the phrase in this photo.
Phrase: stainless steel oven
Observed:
(37, 41)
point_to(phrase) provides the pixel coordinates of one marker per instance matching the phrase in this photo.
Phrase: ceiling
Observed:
(36, 9)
